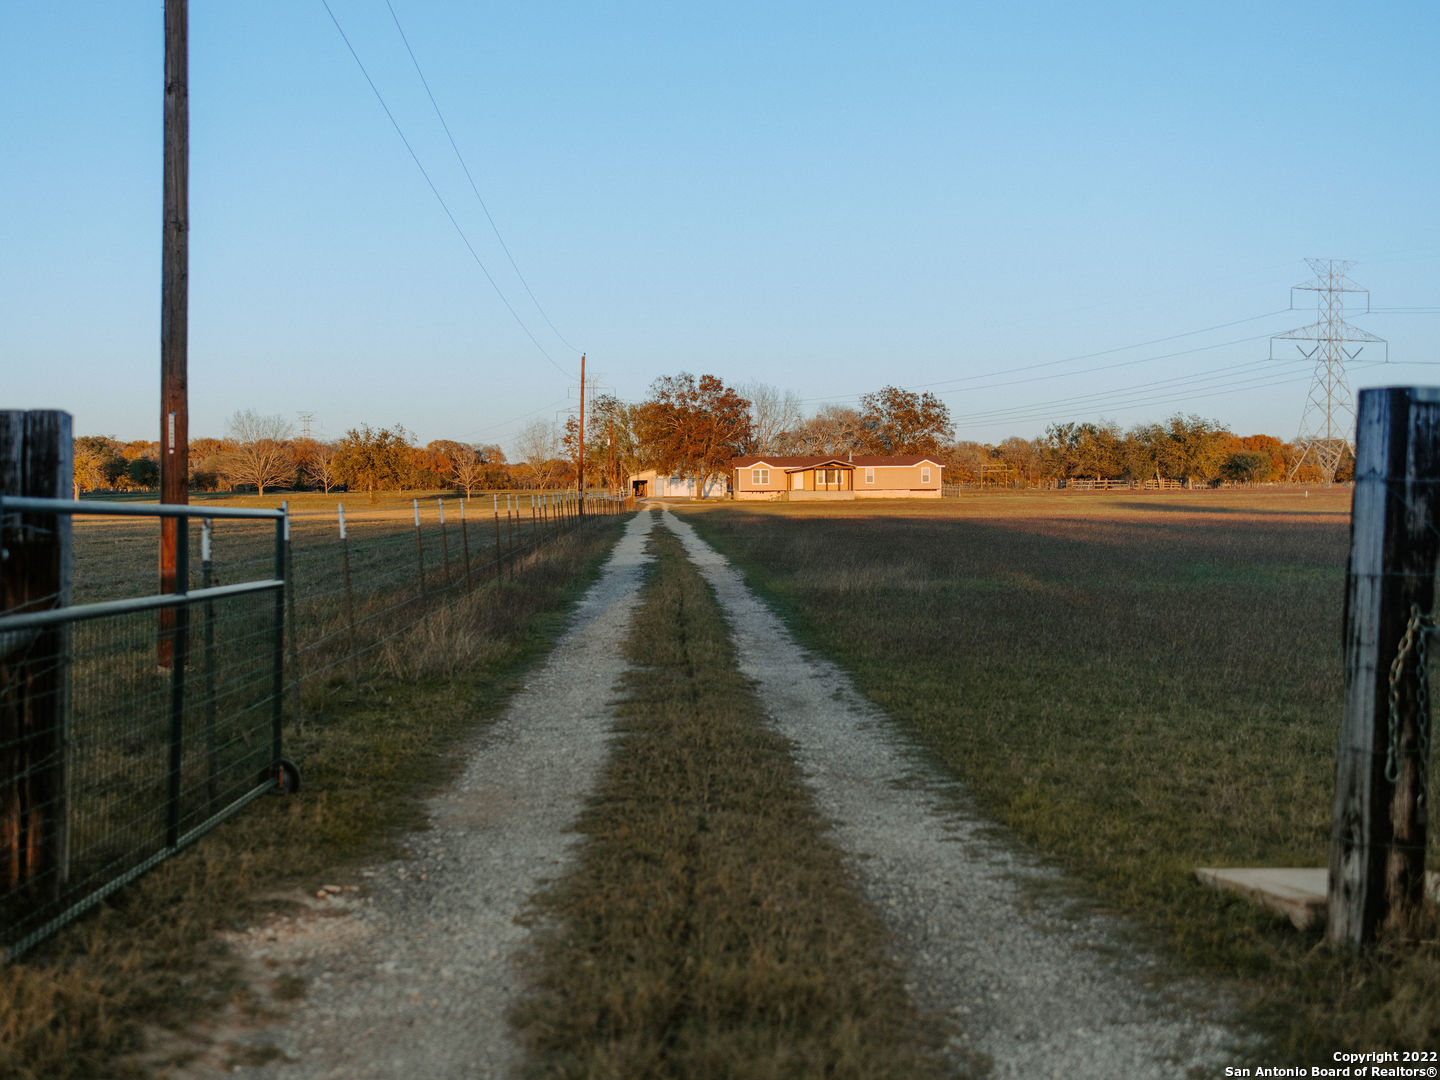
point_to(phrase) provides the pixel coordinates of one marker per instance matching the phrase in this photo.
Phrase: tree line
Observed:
(263, 452)
(692, 427)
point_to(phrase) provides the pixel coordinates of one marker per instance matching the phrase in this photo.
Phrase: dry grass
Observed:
(1136, 685)
(73, 1009)
(710, 928)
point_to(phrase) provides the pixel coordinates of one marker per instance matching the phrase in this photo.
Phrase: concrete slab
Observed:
(1301, 894)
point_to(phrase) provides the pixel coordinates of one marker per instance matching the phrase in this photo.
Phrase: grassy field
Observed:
(711, 928)
(75, 1008)
(1135, 685)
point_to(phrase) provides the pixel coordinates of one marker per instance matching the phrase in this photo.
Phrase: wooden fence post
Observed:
(35, 461)
(1377, 843)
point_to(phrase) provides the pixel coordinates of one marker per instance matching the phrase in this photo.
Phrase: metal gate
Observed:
(128, 727)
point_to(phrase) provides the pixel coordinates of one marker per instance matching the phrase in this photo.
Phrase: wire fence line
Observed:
(133, 722)
(129, 726)
(358, 581)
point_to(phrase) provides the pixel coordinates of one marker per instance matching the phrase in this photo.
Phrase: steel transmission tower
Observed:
(1328, 424)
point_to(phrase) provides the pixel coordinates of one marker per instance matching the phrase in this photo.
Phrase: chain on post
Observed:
(1417, 632)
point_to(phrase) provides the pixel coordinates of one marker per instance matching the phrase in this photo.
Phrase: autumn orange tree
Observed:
(896, 421)
(692, 428)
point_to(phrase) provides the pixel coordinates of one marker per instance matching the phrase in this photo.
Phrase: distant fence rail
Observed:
(130, 726)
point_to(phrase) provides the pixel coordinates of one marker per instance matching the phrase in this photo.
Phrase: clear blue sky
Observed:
(825, 197)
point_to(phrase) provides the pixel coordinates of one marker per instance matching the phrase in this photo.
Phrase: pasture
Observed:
(1134, 685)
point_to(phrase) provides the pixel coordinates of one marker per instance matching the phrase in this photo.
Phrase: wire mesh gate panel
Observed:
(129, 727)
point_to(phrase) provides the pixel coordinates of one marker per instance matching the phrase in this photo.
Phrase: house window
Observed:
(925, 474)
(760, 477)
(869, 476)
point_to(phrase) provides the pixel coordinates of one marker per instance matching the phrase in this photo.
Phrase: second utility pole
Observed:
(580, 454)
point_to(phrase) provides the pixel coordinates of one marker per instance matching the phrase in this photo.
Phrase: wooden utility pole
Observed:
(580, 454)
(35, 462)
(174, 301)
(1377, 843)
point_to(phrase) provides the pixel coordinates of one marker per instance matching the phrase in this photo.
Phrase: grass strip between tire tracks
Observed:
(710, 928)
(75, 1008)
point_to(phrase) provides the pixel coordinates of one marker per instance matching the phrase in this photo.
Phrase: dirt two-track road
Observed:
(411, 973)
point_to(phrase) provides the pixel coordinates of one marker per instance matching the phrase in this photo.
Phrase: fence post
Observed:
(295, 677)
(445, 544)
(212, 742)
(36, 461)
(499, 564)
(349, 603)
(179, 661)
(465, 547)
(1377, 843)
(419, 547)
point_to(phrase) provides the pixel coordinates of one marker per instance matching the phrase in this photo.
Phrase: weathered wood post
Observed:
(35, 461)
(1377, 843)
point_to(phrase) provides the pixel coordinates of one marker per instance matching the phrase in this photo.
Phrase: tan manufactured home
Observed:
(908, 476)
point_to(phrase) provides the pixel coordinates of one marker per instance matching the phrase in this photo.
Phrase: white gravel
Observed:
(1023, 978)
(412, 976)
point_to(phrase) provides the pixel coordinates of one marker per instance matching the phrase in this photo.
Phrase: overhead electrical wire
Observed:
(473, 187)
(1149, 399)
(440, 198)
(1262, 370)
(1085, 356)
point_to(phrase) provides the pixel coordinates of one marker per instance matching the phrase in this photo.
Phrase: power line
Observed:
(1198, 380)
(1087, 356)
(1260, 382)
(440, 198)
(460, 158)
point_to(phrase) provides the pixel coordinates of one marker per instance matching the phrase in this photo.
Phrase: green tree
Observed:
(143, 474)
(98, 463)
(371, 460)
(1247, 467)
(899, 421)
(692, 428)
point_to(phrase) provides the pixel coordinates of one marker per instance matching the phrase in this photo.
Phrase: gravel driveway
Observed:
(411, 975)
